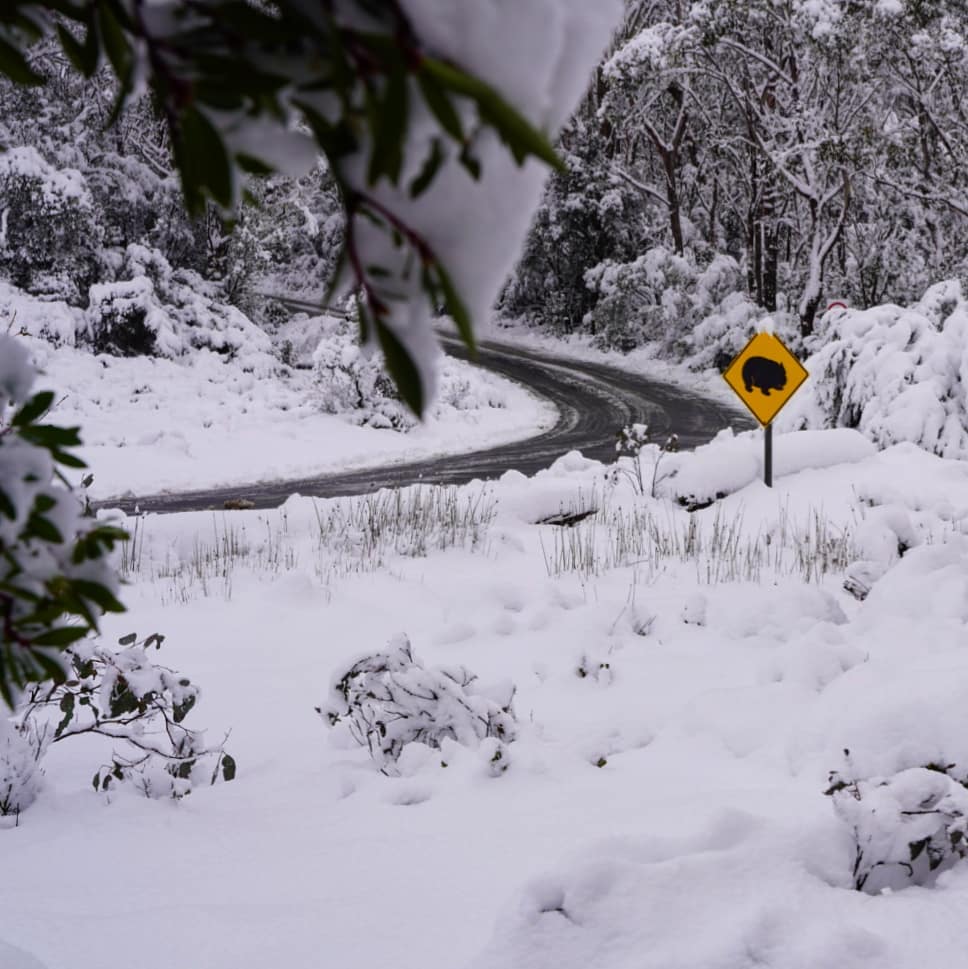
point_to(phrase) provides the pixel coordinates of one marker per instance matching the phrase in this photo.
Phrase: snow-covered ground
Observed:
(152, 424)
(685, 684)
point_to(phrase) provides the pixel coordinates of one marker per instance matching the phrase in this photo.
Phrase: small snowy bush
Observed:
(140, 705)
(55, 577)
(633, 445)
(906, 827)
(389, 699)
(353, 382)
(21, 749)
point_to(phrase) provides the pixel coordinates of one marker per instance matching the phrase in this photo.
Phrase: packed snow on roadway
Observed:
(541, 722)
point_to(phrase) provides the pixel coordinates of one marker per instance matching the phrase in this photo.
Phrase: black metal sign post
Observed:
(768, 455)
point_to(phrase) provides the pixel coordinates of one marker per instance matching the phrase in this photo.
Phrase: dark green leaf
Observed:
(38, 405)
(455, 306)
(51, 436)
(388, 121)
(228, 767)
(440, 105)
(15, 66)
(181, 710)
(67, 708)
(43, 528)
(67, 459)
(49, 667)
(469, 162)
(402, 369)
(84, 56)
(252, 165)
(521, 137)
(60, 637)
(98, 594)
(203, 161)
(116, 44)
(429, 170)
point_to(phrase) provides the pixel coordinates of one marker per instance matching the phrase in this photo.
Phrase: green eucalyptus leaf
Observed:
(402, 369)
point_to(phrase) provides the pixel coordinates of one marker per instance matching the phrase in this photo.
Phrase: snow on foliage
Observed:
(894, 373)
(665, 299)
(148, 309)
(55, 573)
(121, 694)
(539, 56)
(21, 777)
(388, 700)
(906, 827)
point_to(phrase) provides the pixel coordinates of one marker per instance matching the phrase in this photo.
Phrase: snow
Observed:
(663, 808)
(152, 424)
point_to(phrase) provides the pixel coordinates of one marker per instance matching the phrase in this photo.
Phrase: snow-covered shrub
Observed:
(153, 309)
(55, 577)
(458, 391)
(721, 333)
(906, 827)
(126, 321)
(124, 695)
(21, 748)
(47, 223)
(390, 699)
(669, 300)
(45, 319)
(354, 382)
(894, 373)
(643, 301)
(634, 446)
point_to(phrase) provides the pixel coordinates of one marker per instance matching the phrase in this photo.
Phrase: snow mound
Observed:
(660, 903)
(732, 461)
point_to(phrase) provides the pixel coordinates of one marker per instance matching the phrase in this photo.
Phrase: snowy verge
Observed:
(732, 461)
(681, 703)
(151, 425)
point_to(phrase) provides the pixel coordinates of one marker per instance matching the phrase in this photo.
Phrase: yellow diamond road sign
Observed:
(765, 375)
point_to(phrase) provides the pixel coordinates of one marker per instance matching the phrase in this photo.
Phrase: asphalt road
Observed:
(593, 402)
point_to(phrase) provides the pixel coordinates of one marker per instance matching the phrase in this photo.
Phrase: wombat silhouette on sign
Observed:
(764, 373)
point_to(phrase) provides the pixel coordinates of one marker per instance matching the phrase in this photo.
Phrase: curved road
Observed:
(594, 401)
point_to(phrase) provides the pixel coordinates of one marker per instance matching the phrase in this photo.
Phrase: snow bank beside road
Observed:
(151, 424)
(732, 461)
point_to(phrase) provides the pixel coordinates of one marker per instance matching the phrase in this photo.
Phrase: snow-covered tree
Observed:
(819, 145)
